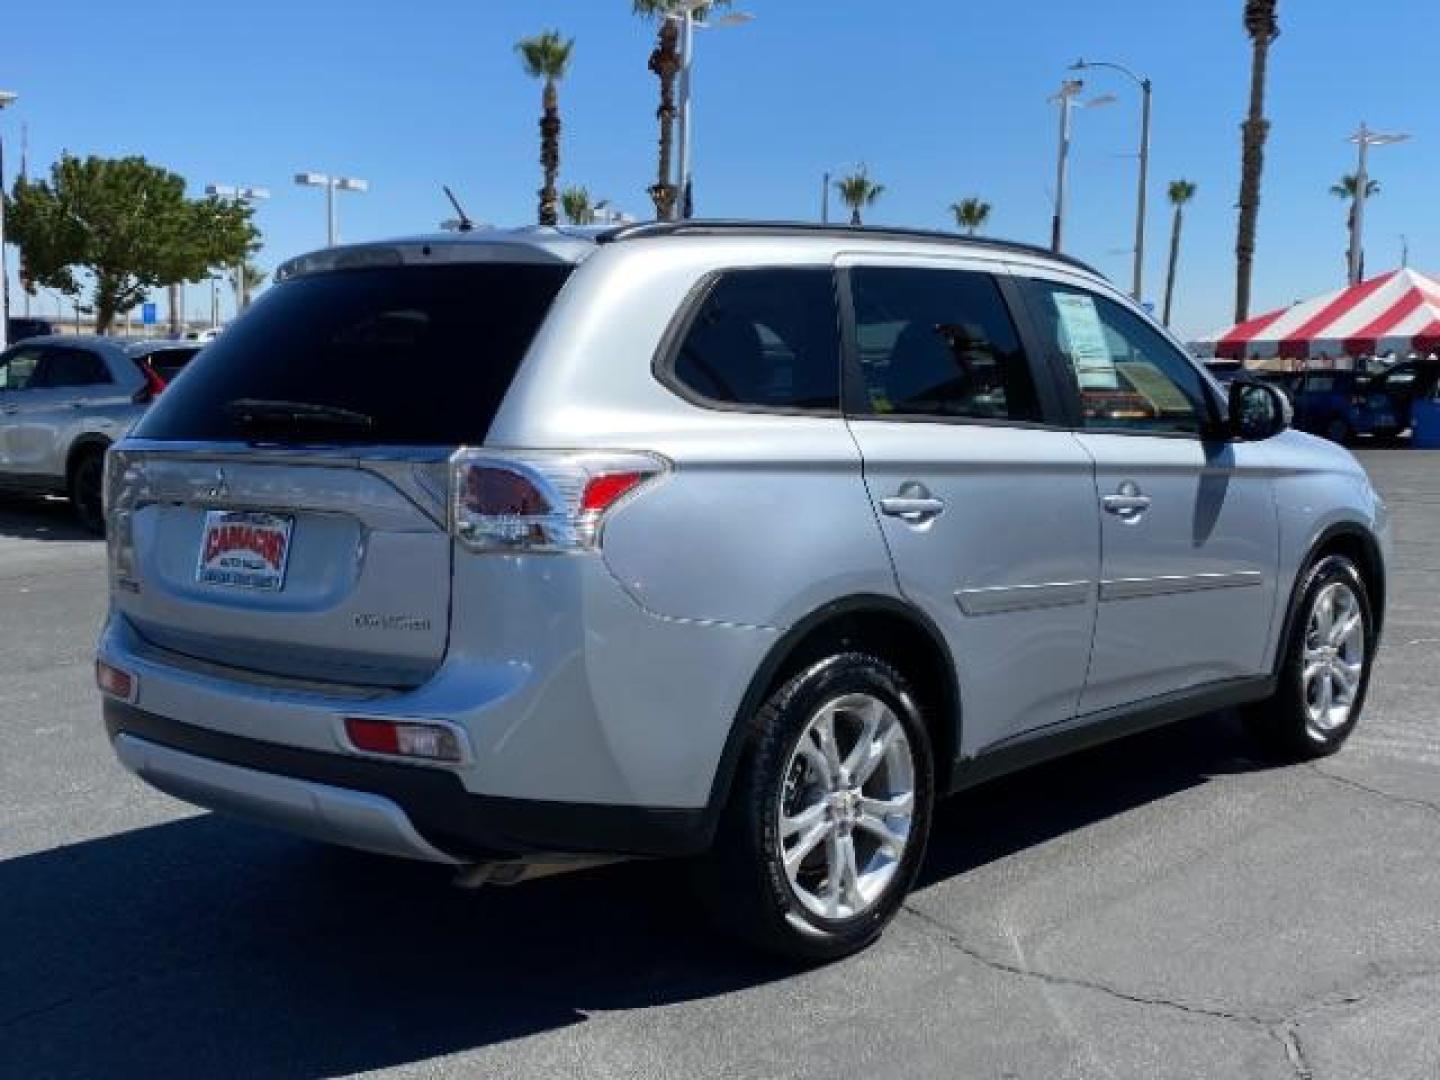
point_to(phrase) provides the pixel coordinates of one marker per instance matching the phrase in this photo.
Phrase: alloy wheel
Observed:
(846, 806)
(1334, 662)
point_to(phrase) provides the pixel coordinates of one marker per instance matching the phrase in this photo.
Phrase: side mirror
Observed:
(1258, 410)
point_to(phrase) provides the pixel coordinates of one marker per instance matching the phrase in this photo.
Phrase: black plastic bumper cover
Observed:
(458, 822)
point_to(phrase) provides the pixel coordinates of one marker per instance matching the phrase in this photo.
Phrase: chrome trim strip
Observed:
(1169, 584)
(995, 600)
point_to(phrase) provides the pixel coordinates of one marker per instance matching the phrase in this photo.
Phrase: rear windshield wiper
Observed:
(266, 413)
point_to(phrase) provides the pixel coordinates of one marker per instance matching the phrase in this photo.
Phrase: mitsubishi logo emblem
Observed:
(221, 488)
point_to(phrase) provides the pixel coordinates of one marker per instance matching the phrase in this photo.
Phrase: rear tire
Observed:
(1326, 668)
(826, 824)
(86, 482)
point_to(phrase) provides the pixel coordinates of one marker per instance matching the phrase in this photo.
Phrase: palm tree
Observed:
(971, 214)
(547, 56)
(575, 201)
(1181, 192)
(255, 276)
(1347, 189)
(1263, 27)
(858, 191)
(665, 63)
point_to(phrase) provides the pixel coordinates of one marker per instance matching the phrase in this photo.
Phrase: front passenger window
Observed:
(1128, 376)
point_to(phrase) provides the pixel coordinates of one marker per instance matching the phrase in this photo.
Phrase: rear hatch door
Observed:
(282, 507)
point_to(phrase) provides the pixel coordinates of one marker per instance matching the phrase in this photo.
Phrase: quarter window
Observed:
(1128, 375)
(767, 339)
(939, 343)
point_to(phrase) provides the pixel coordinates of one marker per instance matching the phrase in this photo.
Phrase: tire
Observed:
(86, 481)
(744, 881)
(1296, 724)
(1338, 430)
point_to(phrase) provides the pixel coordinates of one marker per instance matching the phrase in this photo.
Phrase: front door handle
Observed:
(914, 504)
(1128, 502)
(9, 410)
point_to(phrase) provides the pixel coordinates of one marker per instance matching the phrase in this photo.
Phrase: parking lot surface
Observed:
(1167, 906)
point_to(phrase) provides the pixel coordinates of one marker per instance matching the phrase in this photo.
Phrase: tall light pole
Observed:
(240, 193)
(6, 99)
(1364, 139)
(331, 184)
(685, 16)
(1145, 87)
(1067, 99)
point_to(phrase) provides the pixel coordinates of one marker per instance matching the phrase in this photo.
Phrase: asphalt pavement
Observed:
(1167, 906)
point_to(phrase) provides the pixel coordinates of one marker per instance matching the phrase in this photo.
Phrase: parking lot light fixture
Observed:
(331, 184)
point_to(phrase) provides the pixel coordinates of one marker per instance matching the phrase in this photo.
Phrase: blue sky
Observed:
(941, 99)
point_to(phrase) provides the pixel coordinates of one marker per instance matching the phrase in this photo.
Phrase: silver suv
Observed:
(722, 540)
(64, 400)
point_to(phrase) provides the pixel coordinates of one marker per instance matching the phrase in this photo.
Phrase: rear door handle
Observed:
(9, 410)
(912, 508)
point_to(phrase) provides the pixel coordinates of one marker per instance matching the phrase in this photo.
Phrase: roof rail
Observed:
(702, 227)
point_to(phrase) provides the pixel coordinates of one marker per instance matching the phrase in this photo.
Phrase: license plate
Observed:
(245, 549)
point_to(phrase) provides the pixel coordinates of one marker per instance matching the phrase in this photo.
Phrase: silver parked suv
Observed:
(64, 400)
(734, 541)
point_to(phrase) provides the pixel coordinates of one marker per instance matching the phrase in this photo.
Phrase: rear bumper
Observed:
(394, 809)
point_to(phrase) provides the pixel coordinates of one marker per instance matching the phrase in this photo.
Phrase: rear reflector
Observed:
(607, 489)
(429, 742)
(115, 683)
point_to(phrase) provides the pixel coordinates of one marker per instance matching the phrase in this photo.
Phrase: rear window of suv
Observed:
(403, 356)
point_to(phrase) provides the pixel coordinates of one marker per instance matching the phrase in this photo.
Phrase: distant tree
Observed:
(1263, 27)
(1347, 189)
(125, 223)
(547, 56)
(575, 201)
(971, 214)
(665, 63)
(1181, 192)
(858, 191)
(245, 291)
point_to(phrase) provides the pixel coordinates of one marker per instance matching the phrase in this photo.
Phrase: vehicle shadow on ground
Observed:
(206, 948)
(37, 518)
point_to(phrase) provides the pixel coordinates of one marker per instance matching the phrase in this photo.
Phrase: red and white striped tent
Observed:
(1397, 312)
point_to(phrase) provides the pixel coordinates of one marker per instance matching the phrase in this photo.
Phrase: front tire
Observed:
(1326, 670)
(826, 825)
(86, 482)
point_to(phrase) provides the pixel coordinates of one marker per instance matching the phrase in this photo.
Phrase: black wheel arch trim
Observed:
(786, 649)
(1376, 590)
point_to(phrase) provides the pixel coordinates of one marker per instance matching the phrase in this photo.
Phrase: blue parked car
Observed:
(1341, 404)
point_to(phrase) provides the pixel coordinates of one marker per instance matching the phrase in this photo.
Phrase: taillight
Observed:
(541, 502)
(122, 493)
(154, 384)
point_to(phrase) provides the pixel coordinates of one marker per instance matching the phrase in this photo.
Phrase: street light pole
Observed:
(6, 99)
(331, 184)
(825, 199)
(1137, 287)
(688, 26)
(240, 193)
(1364, 139)
(1067, 97)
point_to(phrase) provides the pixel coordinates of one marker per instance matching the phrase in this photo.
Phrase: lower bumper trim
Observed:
(456, 824)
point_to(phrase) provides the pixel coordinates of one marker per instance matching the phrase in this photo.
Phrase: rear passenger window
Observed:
(61, 368)
(767, 339)
(939, 343)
